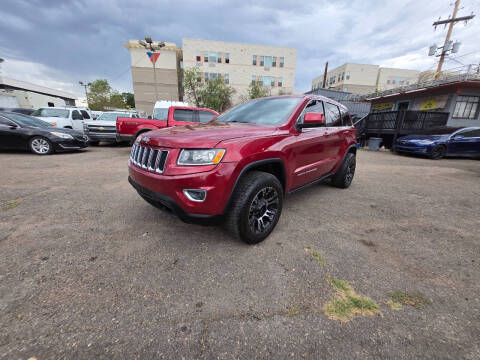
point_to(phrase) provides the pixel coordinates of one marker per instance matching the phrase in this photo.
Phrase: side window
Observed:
(183, 115)
(332, 115)
(205, 116)
(85, 114)
(76, 115)
(470, 134)
(346, 120)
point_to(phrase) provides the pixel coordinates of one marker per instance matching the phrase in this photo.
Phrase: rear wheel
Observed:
(256, 207)
(344, 176)
(40, 145)
(438, 152)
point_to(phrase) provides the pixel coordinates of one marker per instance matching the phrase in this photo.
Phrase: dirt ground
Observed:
(90, 270)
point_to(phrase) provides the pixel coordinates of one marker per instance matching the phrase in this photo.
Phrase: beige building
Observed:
(166, 72)
(240, 64)
(365, 78)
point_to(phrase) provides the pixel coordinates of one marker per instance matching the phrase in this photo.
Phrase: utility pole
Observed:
(451, 21)
(85, 86)
(325, 75)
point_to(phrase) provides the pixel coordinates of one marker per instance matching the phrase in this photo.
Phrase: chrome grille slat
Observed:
(149, 158)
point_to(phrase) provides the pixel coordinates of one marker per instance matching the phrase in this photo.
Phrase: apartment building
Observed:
(365, 78)
(240, 64)
(146, 90)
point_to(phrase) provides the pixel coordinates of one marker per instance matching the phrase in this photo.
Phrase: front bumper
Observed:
(424, 150)
(69, 144)
(168, 190)
(122, 137)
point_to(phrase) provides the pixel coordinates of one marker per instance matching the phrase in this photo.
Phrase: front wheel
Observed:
(40, 145)
(256, 207)
(344, 176)
(438, 152)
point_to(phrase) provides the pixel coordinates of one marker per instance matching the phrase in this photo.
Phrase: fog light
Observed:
(197, 195)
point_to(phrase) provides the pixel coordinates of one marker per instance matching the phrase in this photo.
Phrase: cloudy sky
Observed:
(56, 43)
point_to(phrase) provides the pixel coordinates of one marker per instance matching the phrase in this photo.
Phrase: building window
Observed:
(343, 75)
(262, 60)
(205, 77)
(254, 62)
(393, 81)
(205, 56)
(339, 77)
(280, 82)
(213, 57)
(268, 61)
(348, 75)
(466, 107)
(199, 56)
(281, 61)
(274, 61)
(254, 79)
(219, 57)
(199, 77)
(227, 58)
(388, 81)
(227, 80)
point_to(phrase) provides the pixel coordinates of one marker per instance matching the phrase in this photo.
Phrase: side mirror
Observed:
(12, 127)
(311, 119)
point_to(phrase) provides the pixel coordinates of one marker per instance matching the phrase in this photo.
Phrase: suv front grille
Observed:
(148, 158)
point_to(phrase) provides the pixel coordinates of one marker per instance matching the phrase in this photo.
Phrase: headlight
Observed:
(200, 156)
(61, 135)
(424, 142)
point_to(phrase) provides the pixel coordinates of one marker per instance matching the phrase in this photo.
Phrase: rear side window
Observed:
(346, 120)
(205, 116)
(332, 115)
(183, 115)
(85, 114)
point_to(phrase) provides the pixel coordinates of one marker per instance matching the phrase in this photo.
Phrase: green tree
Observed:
(216, 95)
(192, 84)
(256, 90)
(99, 94)
(128, 99)
(116, 100)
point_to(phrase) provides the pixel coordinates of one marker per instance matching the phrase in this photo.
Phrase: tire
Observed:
(344, 175)
(247, 217)
(438, 152)
(40, 145)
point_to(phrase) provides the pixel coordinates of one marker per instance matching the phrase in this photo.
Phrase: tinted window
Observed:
(332, 115)
(273, 111)
(346, 120)
(470, 133)
(205, 116)
(183, 115)
(85, 114)
(61, 113)
(76, 115)
(25, 120)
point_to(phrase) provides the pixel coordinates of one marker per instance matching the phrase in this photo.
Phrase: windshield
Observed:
(111, 116)
(269, 111)
(61, 113)
(160, 113)
(25, 120)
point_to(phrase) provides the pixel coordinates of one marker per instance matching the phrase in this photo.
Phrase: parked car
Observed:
(19, 110)
(104, 128)
(96, 114)
(237, 168)
(460, 142)
(130, 129)
(23, 132)
(69, 118)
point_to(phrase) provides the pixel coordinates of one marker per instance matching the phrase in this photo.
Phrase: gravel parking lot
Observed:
(90, 270)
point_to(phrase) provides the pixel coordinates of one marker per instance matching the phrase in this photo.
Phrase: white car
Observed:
(104, 128)
(69, 118)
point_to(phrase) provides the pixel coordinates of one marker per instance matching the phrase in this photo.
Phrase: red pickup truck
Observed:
(238, 167)
(128, 129)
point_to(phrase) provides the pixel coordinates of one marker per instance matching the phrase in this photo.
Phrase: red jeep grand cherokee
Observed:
(238, 167)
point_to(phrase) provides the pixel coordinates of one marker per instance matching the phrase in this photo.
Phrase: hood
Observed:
(102, 122)
(414, 138)
(205, 135)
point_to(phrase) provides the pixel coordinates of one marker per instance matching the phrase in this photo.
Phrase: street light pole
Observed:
(148, 44)
(85, 86)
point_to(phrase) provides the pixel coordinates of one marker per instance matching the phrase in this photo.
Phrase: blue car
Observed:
(461, 142)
